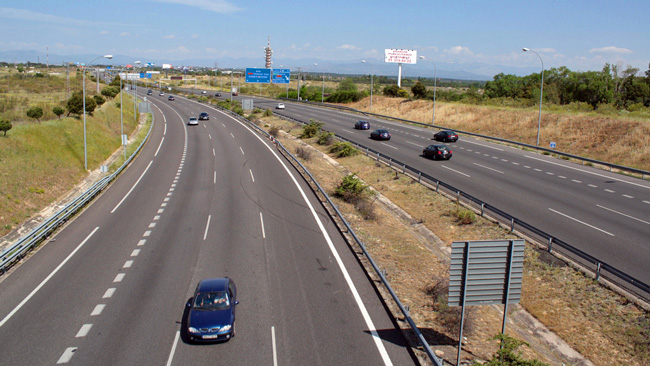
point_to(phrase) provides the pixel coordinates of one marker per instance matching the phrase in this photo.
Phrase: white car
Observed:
(193, 121)
(279, 106)
(204, 92)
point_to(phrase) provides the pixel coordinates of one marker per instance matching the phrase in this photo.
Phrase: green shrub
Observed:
(465, 216)
(506, 356)
(343, 149)
(312, 129)
(303, 153)
(326, 138)
(5, 125)
(58, 111)
(345, 97)
(36, 113)
(351, 189)
(274, 131)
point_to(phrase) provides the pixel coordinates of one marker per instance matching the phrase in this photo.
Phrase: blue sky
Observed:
(582, 35)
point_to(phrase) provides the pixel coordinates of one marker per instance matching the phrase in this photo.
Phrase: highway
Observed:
(604, 214)
(203, 201)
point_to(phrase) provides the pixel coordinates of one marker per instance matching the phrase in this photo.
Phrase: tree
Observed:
(116, 82)
(75, 104)
(419, 90)
(58, 111)
(347, 85)
(5, 126)
(110, 91)
(99, 100)
(35, 112)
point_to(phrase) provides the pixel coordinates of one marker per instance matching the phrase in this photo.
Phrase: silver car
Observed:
(193, 121)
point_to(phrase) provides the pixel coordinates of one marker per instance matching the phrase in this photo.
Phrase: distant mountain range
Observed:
(467, 71)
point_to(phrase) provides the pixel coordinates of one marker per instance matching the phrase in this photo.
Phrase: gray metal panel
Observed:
(487, 272)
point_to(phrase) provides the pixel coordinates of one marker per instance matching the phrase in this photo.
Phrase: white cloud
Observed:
(217, 6)
(170, 36)
(103, 32)
(347, 47)
(125, 34)
(195, 36)
(459, 50)
(610, 49)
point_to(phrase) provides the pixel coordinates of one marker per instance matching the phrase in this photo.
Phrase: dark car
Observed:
(171, 97)
(235, 94)
(204, 116)
(212, 310)
(437, 152)
(218, 95)
(362, 125)
(380, 135)
(446, 135)
(149, 92)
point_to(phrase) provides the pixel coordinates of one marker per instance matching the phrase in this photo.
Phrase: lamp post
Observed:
(84, 106)
(541, 92)
(322, 93)
(371, 83)
(133, 90)
(435, 77)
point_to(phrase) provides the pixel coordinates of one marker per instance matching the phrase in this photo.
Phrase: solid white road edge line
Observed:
(171, 354)
(207, 227)
(22, 303)
(132, 188)
(275, 353)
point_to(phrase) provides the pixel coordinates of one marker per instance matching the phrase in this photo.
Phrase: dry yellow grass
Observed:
(596, 322)
(618, 140)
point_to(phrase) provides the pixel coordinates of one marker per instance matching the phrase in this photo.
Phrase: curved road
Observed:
(602, 213)
(200, 201)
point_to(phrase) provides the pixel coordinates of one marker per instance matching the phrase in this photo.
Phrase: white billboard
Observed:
(166, 66)
(401, 56)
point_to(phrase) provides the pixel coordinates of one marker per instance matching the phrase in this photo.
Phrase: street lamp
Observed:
(84, 107)
(371, 83)
(133, 90)
(322, 93)
(435, 77)
(541, 92)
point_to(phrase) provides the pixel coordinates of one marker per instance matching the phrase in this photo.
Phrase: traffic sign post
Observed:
(281, 76)
(258, 75)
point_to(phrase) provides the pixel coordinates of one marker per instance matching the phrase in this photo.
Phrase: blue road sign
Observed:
(258, 75)
(144, 75)
(281, 76)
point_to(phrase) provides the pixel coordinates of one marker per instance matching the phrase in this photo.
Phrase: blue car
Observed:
(212, 311)
(362, 125)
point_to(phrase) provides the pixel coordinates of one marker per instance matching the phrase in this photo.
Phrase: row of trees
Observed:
(611, 85)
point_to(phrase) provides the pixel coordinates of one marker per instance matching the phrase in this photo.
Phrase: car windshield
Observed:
(443, 148)
(212, 301)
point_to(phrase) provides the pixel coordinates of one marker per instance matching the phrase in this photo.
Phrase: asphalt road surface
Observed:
(202, 201)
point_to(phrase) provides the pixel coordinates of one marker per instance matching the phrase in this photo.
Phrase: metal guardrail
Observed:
(643, 173)
(384, 281)
(22, 246)
(587, 262)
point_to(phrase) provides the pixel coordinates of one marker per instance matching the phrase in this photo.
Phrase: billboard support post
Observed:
(400, 57)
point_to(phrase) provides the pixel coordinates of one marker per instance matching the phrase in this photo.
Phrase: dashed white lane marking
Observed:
(582, 222)
(262, 224)
(275, 353)
(214, 180)
(488, 146)
(550, 173)
(31, 294)
(119, 277)
(98, 309)
(159, 146)
(456, 171)
(214, 153)
(485, 167)
(233, 136)
(132, 188)
(84, 330)
(147, 233)
(156, 218)
(592, 185)
(561, 176)
(135, 252)
(109, 293)
(576, 181)
(128, 264)
(392, 147)
(413, 143)
(152, 225)
(628, 196)
(163, 205)
(648, 202)
(252, 177)
(207, 227)
(141, 242)
(67, 355)
(609, 191)
(242, 150)
(622, 214)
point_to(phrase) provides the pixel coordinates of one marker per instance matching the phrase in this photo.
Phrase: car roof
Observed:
(213, 284)
(192, 117)
(381, 130)
(204, 112)
(438, 146)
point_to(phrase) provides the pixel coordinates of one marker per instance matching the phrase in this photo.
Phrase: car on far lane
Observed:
(193, 121)
(218, 95)
(149, 92)
(437, 152)
(446, 136)
(171, 97)
(211, 315)
(204, 116)
(204, 92)
(380, 135)
(235, 94)
(279, 106)
(161, 94)
(362, 125)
